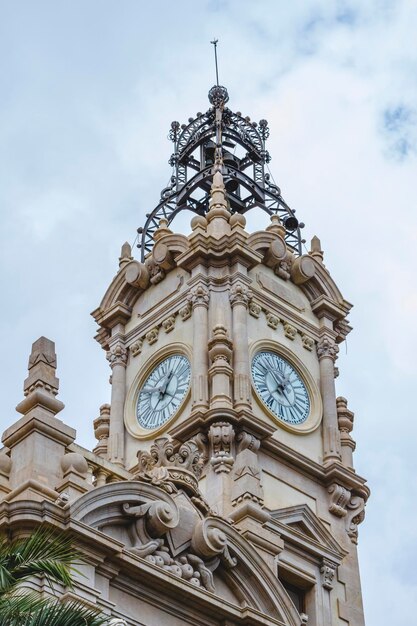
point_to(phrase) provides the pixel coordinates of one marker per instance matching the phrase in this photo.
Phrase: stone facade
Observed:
(222, 513)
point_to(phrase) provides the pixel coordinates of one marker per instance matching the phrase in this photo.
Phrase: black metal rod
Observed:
(215, 42)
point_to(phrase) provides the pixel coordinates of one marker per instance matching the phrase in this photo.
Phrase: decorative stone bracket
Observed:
(345, 504)
(221, 438)
(328, 570)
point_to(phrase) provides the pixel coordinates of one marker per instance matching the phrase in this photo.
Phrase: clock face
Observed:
(280, 387)
(163, 391)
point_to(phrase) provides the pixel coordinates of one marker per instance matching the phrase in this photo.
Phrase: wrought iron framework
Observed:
(211, 140)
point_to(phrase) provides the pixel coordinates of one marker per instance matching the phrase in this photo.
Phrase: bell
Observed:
(232, 185)
(291, 223)
(209, 155)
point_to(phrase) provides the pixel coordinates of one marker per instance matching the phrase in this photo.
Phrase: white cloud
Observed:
(89, 95)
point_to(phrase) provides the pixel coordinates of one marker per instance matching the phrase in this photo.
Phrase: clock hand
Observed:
(151, 389)
(281, 383)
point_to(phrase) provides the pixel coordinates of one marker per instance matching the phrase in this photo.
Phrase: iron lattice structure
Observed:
(222, 138)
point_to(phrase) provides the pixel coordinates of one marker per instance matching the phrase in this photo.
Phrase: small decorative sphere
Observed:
(197, 221)
(218, 96)
(5, 463)
(238, 219)
(75, 461)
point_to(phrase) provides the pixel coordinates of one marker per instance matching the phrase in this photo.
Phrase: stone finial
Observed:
(345, 419)
(125, 254)
(219, 214)
(41, 386)
(276, 227)
(101, 430)
(316, 250)
(162, 229)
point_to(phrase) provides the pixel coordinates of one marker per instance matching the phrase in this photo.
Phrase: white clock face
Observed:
(280, 388)
(163, 391)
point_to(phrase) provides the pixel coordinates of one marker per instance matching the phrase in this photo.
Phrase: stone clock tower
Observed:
(222, 489)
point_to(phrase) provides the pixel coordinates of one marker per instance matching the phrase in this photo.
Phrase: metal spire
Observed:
(215, 42)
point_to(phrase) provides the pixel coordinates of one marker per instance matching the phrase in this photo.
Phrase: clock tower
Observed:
(222, 489)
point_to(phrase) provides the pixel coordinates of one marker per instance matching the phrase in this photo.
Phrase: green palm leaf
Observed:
(45, 554)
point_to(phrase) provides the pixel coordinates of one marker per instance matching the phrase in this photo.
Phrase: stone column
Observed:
(327, 352)
(239, 299)
(117, 357)
(199, 298)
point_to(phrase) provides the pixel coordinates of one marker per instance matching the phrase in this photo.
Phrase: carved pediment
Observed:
(169, 533)
(299, 525)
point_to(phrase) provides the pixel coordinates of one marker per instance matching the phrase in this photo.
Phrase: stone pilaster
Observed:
(239, 299)
(117, 357)
(199, 299)
(327, 352)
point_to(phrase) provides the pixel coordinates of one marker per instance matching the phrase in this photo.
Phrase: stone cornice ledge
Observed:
(243, 419)
(325, 474)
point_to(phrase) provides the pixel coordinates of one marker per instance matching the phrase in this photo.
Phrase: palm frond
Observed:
(43, 553)
(29, 609)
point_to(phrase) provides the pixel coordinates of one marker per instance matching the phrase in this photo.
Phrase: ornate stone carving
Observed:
(185, 312)
(290, 331)
(203, 545)
(117, 355)
(326, 347)
(169, 324)
(239, 294)
(308, 342)
(304, 619)
(283, 269)
(254, 309)
(156, 273)
(116, 621)
(199, 296)
(328, 570)
(164, 467)
(152, 335)
(136, 348)
(356, 515)
(339, 498)
(221, 439)
(272, 320)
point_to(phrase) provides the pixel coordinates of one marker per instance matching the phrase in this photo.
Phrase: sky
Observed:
(88, 91)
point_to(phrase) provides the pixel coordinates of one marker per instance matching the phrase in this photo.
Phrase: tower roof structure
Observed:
(220, 140)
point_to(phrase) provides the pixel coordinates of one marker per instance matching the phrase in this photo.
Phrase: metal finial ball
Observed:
(218, 96)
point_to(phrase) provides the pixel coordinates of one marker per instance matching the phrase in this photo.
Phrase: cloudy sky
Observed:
(88, 91)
